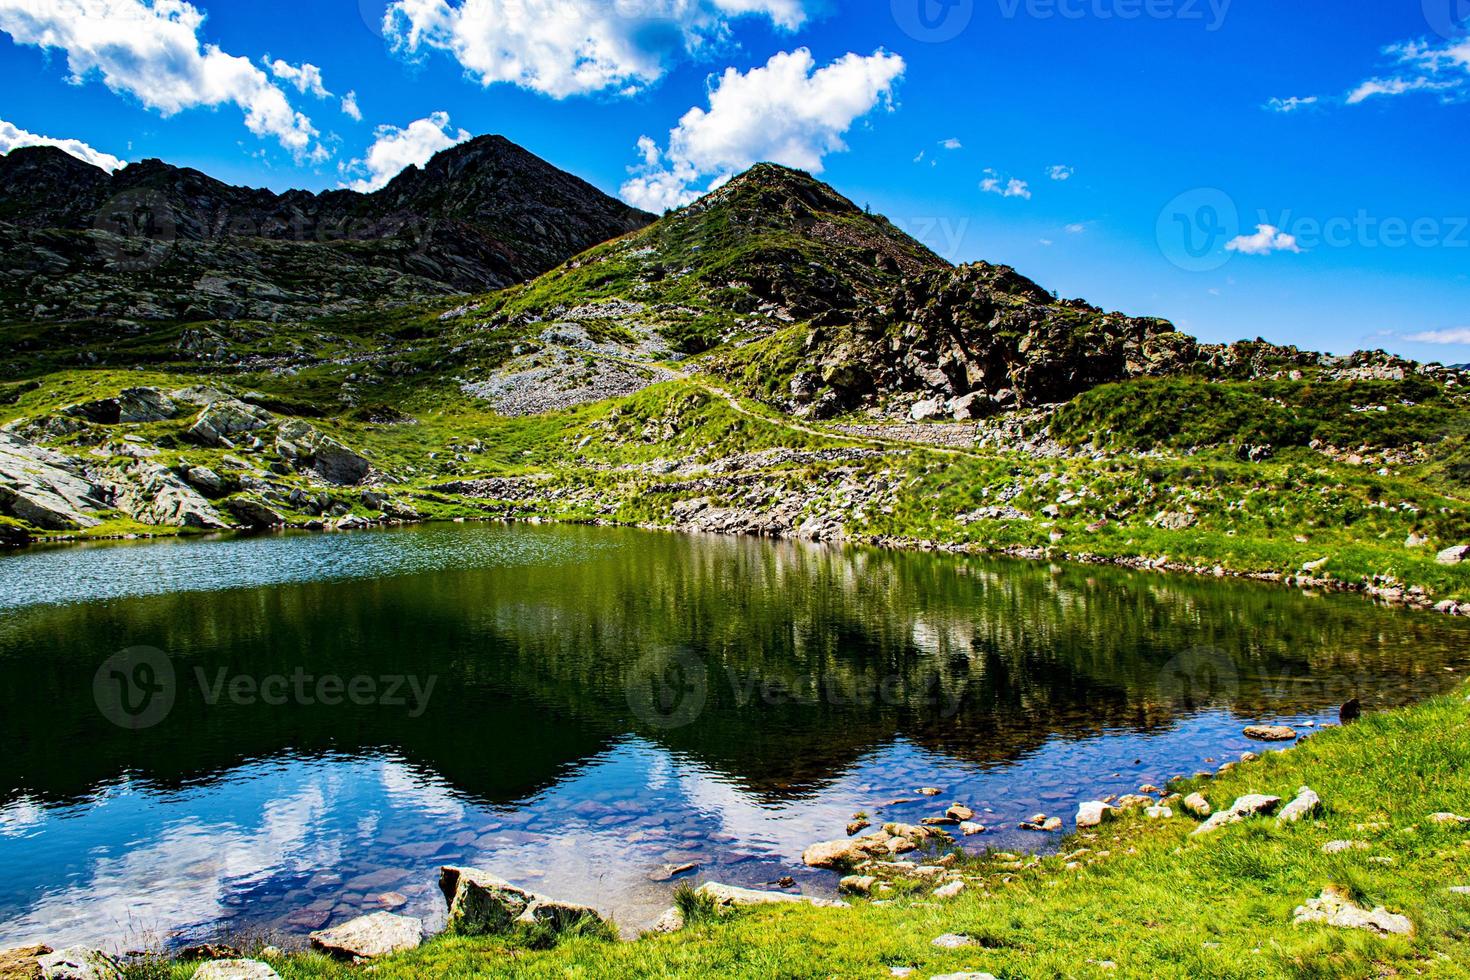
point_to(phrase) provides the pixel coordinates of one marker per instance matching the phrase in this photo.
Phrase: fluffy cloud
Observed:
(1060, 172)
(994, 183)
(1421, 66)
(306, 78)
(787, 111)
(572, 47)
(349, 106)
(1267, 239)
(952, 144)
(1459, 335)
(396, 149)
(13, 137)
(151, 50)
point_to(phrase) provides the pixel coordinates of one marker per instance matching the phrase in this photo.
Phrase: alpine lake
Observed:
(249, 736)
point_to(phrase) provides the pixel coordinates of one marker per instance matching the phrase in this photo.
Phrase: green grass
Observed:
(1150, 898)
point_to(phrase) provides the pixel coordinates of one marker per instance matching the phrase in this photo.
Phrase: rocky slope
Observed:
(158, 241)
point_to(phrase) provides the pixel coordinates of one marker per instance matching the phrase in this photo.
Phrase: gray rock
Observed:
(1306, 804)
(205, 480)
(137, 405)
(1270, 733)
(1454, 556)
(1335, 908)
(481, 904)
(1242, 808)
(1093, 813)
(370, 936)
(253, 513)
(79, 963)
(954, 940)
(312, 450)
(1342, 846)
(236, 970)
(729, 896)
(46, 489)
(929, 408)
(151, 494)
(223, 422)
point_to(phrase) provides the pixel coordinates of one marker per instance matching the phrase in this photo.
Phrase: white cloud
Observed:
(307, 78)
(1421, 66)
(1291, 104)
(1048, 242)
(1267, 239)
(349, 106)
(395, 150)
(1458, 335)
(787, 111)
(151, 50)
(952, 144)
(574, 47)
(994, 183)
(1061, 172)
(13, 137)
(1076, 228)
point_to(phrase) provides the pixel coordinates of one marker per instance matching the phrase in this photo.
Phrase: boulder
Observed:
(328, 459)
(46, 489)
(1343, 846)
(1336, 908)
(224, 421)
(1449, 820)
(205, 480)
(840, 855)
(1159, 813)
(138, 405)
(954, 940)
(950, 890)
(481, 903)
(960, 813)
(79, 963)
(1306, 804)
(672, 920)
(858, 884)
(370, 936)
(929, 408)
(1196, 804)
(1270, 733)
(236, 970)
(1093, 813)
(1454, 556)
(729, 897)
(252, 513)
(22, 962)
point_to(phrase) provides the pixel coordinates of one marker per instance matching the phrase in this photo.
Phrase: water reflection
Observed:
(602, 702)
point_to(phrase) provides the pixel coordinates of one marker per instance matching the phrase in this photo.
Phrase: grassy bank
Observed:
(1148, 900)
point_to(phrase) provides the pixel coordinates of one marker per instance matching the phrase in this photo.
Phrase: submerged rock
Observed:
(370, 936)
(1270, 733)
(1336, 908)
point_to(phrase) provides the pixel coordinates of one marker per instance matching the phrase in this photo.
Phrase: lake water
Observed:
(274, 734)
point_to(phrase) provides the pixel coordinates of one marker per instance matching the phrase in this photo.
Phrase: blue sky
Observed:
(1335, 224)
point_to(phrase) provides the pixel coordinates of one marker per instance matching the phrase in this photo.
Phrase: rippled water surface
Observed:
(304, 727)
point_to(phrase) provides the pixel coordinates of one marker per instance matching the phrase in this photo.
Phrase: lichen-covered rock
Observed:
(224, 422)
(481, 904)
(309, 449)
(729, 896)
(1336, 908)
(152, 494)
(236, 970)
(370, 936)
(46, 489)
(22, 962)
(79, 963)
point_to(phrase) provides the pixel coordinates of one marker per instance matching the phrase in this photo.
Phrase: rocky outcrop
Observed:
(1336, 908)
(46, 489)
(370, 936)
(22, 962)
(79, 963)
(224, 422)
(309, 449)
(152, 494)
(253, 513)
(131, 406)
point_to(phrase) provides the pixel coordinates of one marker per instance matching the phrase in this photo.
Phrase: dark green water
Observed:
(315, 723)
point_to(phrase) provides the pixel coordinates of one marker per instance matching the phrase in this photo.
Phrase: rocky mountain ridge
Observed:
(157, 241)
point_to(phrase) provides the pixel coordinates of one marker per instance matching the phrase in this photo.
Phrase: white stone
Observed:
(1093, 813)
(235, 970)
(953, 940)
(369, 936)
(1335, 908)
(1306, 804)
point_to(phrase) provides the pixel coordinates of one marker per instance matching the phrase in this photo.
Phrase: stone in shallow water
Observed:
(369, 936)
(1270, 733)
(1335, 908)
(236, 970)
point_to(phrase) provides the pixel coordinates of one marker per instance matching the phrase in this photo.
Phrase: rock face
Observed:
(1336, 908)
(46, 489)
(224, 422)
(236, 970)
(370, 936)
(22, 962)
(479, 216)
(482, 904)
